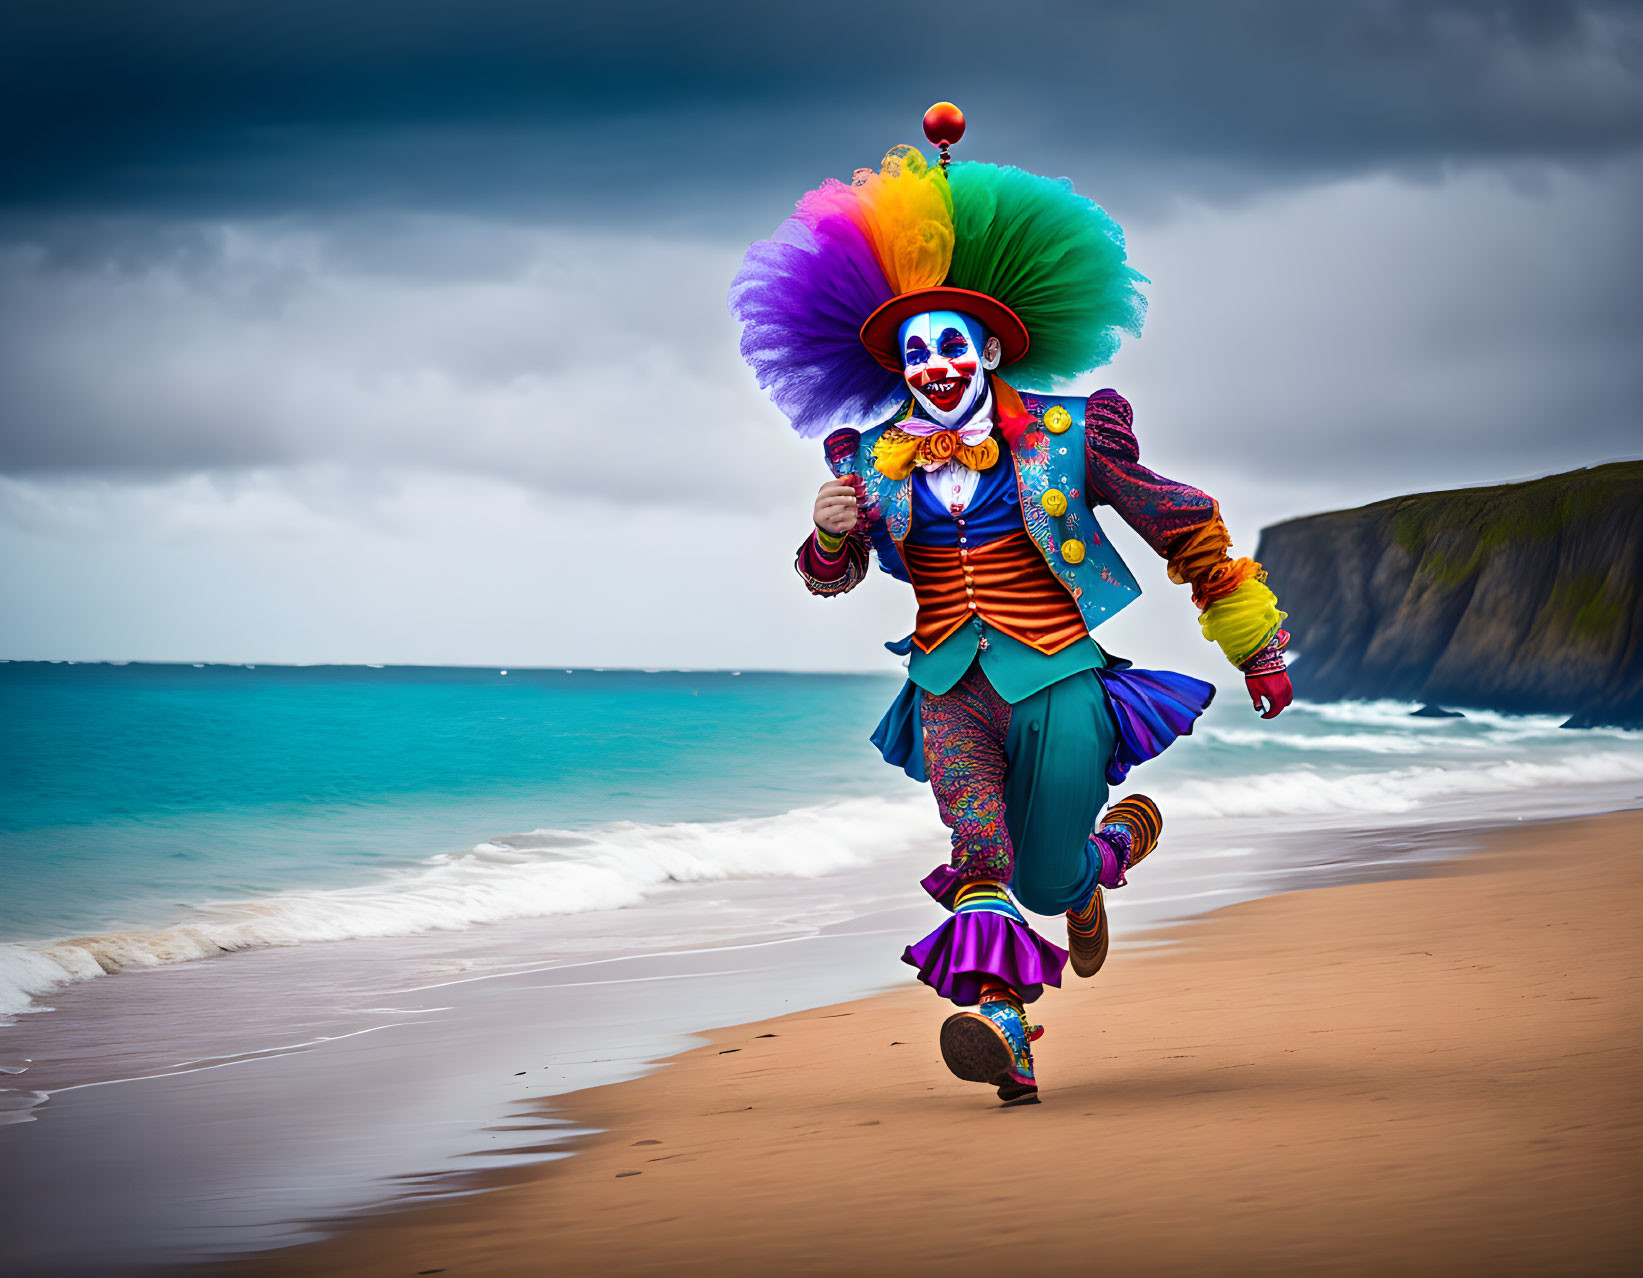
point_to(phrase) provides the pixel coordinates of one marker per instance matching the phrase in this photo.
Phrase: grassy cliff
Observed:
(1522, 597)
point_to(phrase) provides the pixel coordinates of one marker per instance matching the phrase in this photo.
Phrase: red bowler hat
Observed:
(880, 334)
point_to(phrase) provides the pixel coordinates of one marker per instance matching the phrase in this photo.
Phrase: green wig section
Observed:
(1054, 258)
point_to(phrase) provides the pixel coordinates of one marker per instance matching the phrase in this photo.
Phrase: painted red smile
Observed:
(944, 390)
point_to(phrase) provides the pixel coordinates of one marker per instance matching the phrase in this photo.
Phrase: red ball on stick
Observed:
(944, 124)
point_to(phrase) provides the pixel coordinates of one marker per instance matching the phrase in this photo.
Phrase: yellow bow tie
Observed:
(897, 453)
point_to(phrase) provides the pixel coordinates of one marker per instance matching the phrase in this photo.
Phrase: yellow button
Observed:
(1058, 420)
(1072, 550)
(1054, 502)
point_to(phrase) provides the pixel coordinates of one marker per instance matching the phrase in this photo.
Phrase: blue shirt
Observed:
(994, 511)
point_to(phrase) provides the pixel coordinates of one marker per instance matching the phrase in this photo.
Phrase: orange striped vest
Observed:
(1006, 583)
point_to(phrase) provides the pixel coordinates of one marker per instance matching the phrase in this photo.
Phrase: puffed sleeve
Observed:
(1182, 525)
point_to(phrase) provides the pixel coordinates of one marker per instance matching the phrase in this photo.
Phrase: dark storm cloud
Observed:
(614, 109)
(446, 237)
(1378, 334)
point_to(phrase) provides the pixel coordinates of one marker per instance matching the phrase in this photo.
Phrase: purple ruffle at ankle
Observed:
(1112, 845)
(977, 946)
(943, 883)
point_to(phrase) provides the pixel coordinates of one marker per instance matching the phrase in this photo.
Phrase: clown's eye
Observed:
(952, 344)
(917, 352)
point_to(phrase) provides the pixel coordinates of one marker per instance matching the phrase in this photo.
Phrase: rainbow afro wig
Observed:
(821, 301)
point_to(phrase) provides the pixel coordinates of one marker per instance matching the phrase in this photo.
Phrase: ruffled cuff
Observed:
(1112, 846)
(943, 883)
(977, 946)
(832, 573)
(1270, 659)
(1244, 622)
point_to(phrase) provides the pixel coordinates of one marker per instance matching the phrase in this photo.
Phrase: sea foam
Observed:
(1395, 791)
(551, 872)
(544, 872)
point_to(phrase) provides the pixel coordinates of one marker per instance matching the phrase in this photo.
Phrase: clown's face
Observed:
(946, 358)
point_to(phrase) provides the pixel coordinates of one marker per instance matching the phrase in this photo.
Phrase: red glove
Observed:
(1273, 688)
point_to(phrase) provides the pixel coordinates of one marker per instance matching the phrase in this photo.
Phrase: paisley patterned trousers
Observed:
(1020, 787)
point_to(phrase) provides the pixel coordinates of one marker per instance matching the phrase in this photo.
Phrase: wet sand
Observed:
(1433, 1075)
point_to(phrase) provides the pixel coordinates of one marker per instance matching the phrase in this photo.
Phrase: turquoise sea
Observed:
(152, 814)
(133, 792)
(277, 942)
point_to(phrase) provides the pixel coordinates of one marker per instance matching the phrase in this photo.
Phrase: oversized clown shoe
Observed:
(883, 316)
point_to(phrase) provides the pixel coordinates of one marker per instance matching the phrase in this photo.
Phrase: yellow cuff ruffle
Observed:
(1243, 622)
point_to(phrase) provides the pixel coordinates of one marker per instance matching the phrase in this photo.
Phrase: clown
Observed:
(898, 300)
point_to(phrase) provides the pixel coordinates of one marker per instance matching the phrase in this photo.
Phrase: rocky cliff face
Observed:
(1526, 597)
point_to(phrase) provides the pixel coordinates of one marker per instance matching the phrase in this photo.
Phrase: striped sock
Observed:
(980, 892)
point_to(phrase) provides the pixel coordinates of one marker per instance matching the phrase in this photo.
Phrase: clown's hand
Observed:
(1273, 689)
(837, 505)
(1267, 679)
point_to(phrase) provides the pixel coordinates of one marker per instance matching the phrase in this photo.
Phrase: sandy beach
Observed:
(1436, 1074)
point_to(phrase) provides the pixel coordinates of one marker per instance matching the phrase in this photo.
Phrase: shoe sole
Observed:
(975, 1050)
(1087, 967)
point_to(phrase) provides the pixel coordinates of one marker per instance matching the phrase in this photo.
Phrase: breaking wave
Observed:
(552, 872)
(1302, 792)
(533, 875)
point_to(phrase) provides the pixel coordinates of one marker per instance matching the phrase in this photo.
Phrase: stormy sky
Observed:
(396, 332)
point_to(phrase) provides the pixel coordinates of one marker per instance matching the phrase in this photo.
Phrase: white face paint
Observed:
(945, 359)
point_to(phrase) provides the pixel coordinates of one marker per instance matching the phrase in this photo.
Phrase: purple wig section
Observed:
(969, 949)
(801, 297)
